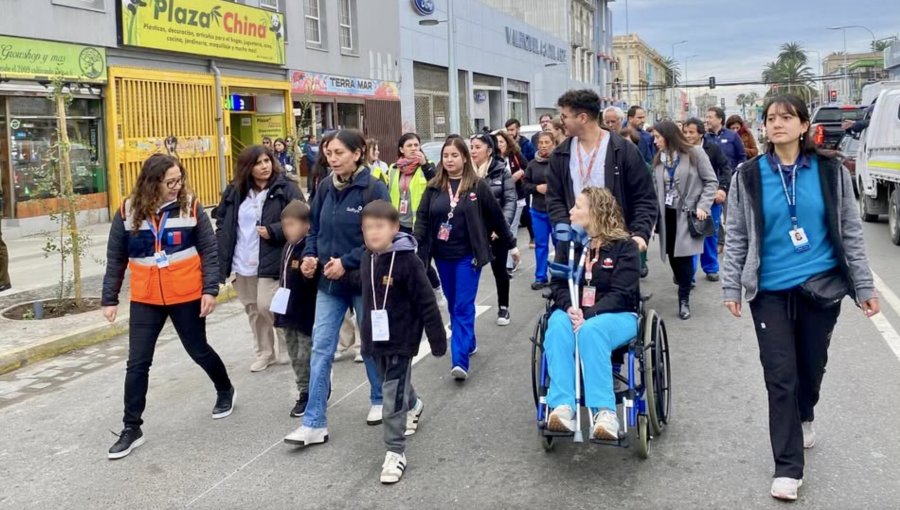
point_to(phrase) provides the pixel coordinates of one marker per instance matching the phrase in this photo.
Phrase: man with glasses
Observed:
(591, 156)
(546, 121)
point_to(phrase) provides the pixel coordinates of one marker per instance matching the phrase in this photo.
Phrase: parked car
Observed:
(848, 147)
(432, 151)
(826, 123)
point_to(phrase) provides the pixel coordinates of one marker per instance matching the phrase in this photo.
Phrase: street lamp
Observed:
(843, 29)
(686, 81)
(672, 71)
(452, 71)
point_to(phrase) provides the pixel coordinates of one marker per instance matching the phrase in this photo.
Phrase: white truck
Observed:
(878, 161)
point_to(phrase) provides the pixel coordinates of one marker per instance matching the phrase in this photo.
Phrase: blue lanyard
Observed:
(671, 171)
(158, 230)
(792, 195)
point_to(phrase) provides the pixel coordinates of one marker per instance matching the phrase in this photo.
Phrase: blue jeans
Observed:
(543, 232)
(459, 279)
(598, 337)
(709, 260)
(330, 311)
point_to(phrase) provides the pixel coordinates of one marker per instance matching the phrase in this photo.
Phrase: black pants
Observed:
(501, 277)
(433, 278)
(793, 335)
(145, 323)
(682, 267)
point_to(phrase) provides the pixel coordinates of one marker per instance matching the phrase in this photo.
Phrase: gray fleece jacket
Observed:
(744, 230)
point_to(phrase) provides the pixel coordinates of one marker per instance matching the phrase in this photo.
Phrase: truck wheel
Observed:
(894, 217)
(864, 209)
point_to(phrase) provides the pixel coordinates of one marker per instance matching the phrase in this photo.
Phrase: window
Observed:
(98, 5)
(347, 26)
(269, 4)
(313, 22)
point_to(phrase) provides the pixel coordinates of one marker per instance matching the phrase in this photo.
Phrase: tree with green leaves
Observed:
(789, 73)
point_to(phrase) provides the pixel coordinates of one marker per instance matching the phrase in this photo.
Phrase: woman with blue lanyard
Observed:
(686, 186)
(794, 244)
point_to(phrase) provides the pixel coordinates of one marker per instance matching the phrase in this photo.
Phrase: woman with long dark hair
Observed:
(283, 154)
(453, 223)
(319, 170)
(737, 124)
(248, 230)
(686, 186)
(794, 244)
(491, 167)
(335, 243)
(162, 234)
(509, 150)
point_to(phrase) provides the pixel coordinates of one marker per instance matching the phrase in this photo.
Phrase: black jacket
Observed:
(626, 176)
(616, 277)
(720, 164)
(535, 175)
(122, 242)
(280, 193)
(483, 216)
(411, 303)
(503, 188)
(301, 308)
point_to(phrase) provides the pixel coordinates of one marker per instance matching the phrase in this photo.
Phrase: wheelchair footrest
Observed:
(622, 442)
(553, 433)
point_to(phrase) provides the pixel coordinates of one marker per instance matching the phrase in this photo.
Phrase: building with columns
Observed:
(645, 69)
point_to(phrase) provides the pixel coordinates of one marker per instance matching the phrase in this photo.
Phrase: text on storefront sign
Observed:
(32, 59)
(533, 44)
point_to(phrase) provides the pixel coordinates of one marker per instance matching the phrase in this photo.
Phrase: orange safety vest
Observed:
(179, 282)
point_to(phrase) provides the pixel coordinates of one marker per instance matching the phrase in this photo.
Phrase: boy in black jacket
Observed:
(398, 304)
(295, 310)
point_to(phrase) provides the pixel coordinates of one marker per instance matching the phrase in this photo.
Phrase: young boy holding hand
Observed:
(398, 303)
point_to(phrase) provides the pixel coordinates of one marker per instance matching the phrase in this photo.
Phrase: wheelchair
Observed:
(643, 395)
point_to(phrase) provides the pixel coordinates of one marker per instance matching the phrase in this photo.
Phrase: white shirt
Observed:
(580, 159)
(246, 251)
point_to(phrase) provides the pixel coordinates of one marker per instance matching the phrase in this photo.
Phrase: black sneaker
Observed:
(538, 285)
(503, 317)
(224, 404)
(300, 407)
(684, 310)
(645, 270)
(129, 439)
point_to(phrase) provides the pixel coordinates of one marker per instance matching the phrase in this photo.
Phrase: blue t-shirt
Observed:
(781, 267)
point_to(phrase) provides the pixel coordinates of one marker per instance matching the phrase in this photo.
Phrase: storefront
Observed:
(29, 139)
(324, 102)
(174, 110)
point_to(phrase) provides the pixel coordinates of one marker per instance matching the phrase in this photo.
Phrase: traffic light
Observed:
(832, 95)
(712, 82)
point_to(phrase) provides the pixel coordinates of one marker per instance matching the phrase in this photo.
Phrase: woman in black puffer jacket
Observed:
(248, 231)
(491, 167)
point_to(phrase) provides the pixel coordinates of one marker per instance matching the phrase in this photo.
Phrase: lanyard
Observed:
(791, 196)
(387, 287)
(404, 183)
(671, 171)
(158, 228)
(454, 199)
(589, 264)
(585, 177)
(287, 262)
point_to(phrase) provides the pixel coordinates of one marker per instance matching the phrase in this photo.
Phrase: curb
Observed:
(61, 344)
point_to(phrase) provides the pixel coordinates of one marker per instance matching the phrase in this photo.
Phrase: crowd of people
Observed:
(380, 249)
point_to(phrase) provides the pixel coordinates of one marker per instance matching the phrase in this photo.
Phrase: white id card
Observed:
(670, 199)
(162, 260)
(799, 240)
(280, 301)
(380, 330)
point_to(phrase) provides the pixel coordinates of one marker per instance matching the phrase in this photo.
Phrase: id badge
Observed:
(404, 206)
(162, 260)
(444, 232)
(381, 332)
(280, 301)
(670, 199)
(799, 240)
(588, 296)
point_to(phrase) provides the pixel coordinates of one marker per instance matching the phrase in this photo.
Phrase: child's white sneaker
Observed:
(375, 415)
(412, 417)
(305, 436)
(785, 489)
(393, 467)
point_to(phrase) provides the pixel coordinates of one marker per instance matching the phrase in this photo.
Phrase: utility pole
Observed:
(453, 79)
(627, 56)
(672, 73)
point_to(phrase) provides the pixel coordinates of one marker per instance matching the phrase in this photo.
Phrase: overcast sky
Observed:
(733, 40)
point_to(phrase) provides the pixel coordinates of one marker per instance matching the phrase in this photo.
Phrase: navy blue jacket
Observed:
(646, 146)
(730, 143)
(336, 226)
(301, 308)
(526, 147)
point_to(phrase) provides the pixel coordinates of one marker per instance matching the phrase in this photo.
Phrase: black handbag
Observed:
(700, 228)
(826, 289)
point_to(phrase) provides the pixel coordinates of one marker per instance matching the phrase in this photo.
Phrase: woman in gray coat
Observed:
(686, 185)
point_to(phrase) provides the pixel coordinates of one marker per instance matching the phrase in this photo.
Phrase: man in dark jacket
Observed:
(512, 127)
(732, 147)
(637, 118)
(593, 156)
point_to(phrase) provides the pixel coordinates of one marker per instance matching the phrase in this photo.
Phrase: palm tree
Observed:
(673, 73)
(789, 74)
(792, 51)
(882, 44)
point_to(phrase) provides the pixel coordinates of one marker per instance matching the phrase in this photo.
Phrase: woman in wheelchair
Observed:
(605, 320)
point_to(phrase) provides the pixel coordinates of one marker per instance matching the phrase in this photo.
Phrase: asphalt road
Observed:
(477, 445)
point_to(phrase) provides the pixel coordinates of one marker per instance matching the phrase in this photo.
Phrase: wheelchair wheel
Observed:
(643, 433)
(537, 341)
(656, 376)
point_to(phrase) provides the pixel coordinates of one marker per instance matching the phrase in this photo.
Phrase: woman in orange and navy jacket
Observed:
(162, 234)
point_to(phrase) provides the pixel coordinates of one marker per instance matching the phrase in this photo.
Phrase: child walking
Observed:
(294, 304)
(398, 303)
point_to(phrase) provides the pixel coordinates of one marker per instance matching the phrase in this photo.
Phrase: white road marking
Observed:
(890, 335)
(425, 348)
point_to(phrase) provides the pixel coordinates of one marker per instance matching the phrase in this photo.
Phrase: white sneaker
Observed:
(260, 364)
(459, 373)
(305, 436)
(474, 351)
(339, 355)
(441, 298)
(606, 426)
(358, 358)
(562, 419)
(785, 488)
(393, 467)
(375, 415)
(412, 417)
(809, 434)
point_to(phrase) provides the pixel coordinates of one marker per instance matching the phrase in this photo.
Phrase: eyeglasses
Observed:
(174, 183)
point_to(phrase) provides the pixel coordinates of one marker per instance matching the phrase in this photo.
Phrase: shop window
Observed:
(269, 4)
(98, 5)
(348, 26)
(314, 16)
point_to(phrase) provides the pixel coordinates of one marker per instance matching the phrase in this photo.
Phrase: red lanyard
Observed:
(404, 183)
(454, 199)
(587, 176)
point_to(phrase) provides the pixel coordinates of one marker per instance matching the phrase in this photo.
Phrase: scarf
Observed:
(542, 156)
(482, 170)
(408, 166)
(341, 185)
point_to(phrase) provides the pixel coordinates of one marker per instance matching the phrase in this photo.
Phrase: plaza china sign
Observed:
(215, 28)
